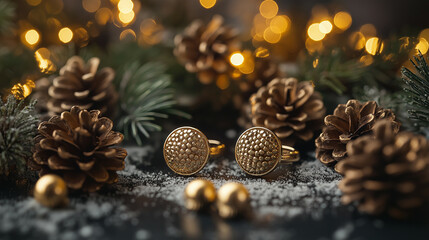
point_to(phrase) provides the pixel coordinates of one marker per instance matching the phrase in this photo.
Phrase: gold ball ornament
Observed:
(51, 191)
(199, 194)
(233, 199)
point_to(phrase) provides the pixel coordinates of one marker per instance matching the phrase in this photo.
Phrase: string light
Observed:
(314, 32)
(343, 20)
(422, 45)
(45, 65)
(236, 59)
(21, 91)
(207, 3)
(373, 45)
(268, 8)
(325, 27)
(65, 35)
(32, 37)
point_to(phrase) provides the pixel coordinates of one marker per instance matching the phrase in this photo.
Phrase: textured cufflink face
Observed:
(258, 151)
(186, 150)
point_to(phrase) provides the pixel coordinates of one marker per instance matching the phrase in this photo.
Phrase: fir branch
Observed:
(18, 127)
(417, 90)
(145, 96)
(7, 12)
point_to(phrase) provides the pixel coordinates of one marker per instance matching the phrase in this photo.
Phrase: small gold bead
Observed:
(199, 194)
(51, 191)
(233, 199)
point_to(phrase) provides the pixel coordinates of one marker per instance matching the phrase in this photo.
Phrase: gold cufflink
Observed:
(187, 150)
(258, 151)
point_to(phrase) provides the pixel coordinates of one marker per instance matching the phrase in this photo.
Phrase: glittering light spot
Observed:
(422, 45)
(127, 34)
(314, 32)
(343, 20)
(207, 3)
(222, 82)
(91, 5)
(103, 15)
(236, 59)
(45, 64)
(65, 35)
(325, 27)
(32, 37)
(126, 17)
(373, 45)
(315, 63)
(357, 40)
(21, 91)
(34, 2)
(268, 8)
(368, 30)
(248, 66)
(125, 6)
(279, 24)
(262, 52)
(271, 36)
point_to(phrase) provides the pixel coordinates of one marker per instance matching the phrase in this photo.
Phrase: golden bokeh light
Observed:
(207, 3)
(34, 2)
(32, 37)
(22, 91)
(357, 40)
(236, 59)
(314, 32)
(126, 18)
(222, 82)
(81, 37)
(422, 45)
(368, 30)
(128, 34)
(313, 46)
(315, 63)
(343, 20)
(65, 35)
(125, 6)
(268, 9)
(103, 15)
(271, 37)
(366, 60)
(91, 5)
(373, 45)
(151, 32)
(279, 24)
(424, 34)
(325, 27)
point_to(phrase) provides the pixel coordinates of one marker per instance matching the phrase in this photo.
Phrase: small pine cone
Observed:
(41, 94)
(386, 173)
(78, 146)
(205, 49)
(291, 109)
(349, 122)
(83, 86)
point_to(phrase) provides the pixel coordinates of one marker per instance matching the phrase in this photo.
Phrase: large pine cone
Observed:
(83, 86)
(349, 122)
(386, 173)
(291, 109)
(205, 49)
(78, 146)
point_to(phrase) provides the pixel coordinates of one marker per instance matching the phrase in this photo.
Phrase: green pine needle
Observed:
(145, 96)
(417, 90)
(18, 127)
(7, 12)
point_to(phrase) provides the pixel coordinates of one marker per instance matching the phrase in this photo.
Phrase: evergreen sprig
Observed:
(145, 96)
(18, 127)
(7, 12)
(417, 90)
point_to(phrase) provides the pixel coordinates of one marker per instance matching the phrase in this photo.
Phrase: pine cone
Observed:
(83, 86)
(291, 109)
(386, 173)
(78, 146)
(349, 122)
(41, 94)
(205, 49)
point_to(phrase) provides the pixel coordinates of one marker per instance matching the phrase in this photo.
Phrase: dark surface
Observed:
(299, 201)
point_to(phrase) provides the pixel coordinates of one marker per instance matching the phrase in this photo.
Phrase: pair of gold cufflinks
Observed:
(231, 200)
(258, 151)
